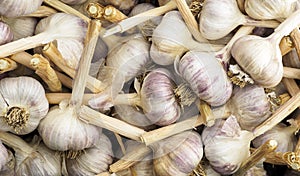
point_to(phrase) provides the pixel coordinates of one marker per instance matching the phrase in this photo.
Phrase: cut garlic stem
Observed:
(132, 99)
(82, 73)
(43, 11)
(64, 79)
(281, 113)
(51, 52)
(15, 142)
(66, 9)
(206, 113)
(286, 45)
(256, 156)
(109, 12)
(56, 98)
(96, 118)
(189, 19)
(140, 18)
(46, 72)
(292, 73)
(7, 64)
(130, 158)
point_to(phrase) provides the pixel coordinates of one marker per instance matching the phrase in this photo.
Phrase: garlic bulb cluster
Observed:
(281, 133)
(158, 99)
(178, 155)
(15, 8)
(266, 10)
(206, 77)
(73, 2)
(94, 160)
(23, 107)
(3, 156)
(224, 139)
(6, 34)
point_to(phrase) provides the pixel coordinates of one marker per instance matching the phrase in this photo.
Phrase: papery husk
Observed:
(6, 34)
(22, 26)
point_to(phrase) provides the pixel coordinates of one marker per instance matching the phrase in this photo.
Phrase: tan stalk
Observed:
(295, 36)
(65, 80)
(43, 11)
(286, 45)
(206, 113)
(56, 98)
(7, 64)
(289, 72)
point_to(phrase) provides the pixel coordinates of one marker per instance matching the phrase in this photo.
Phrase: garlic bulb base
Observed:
(185, 95)
(72, 154)
(238, 77)
(16, 117)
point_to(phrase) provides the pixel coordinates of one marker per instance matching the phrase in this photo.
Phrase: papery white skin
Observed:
(6, 34)
(267, 10)
(205, 76)
(284, 135)
(23, 92)
(73, 2)
(15, 8)
(209, 171)
(178, 155)
(3, 156)
(22, 26)
(226, 145)
(158, 98)
(98, 60)
(62, 130)
(94, 160)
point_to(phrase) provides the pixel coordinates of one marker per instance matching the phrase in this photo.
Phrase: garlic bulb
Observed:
(206, 77)
(178, 155)
(24, 106)
(35, 159)
(158, 98)
(125, 5)
(77, 135)
(6, 34)
(9, 168)
(281, 133)
(267, 10)
(263, 60)
(15, 8)
(167, 45)
(224, 139)
(94, 160)
(219, 18)
(22, 26)
(73, 2)
(3, 156)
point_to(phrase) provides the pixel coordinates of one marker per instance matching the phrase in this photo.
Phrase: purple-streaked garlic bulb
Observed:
(226, 145)
(3, 156)
(205, 76)
(23, 104)
(285, 135)
(6, 34)
(178, 155)
(93, 160)
(262, 60)
(73, 2)
(15, 8)
(267, 10)
(22, 26)
(158, 98)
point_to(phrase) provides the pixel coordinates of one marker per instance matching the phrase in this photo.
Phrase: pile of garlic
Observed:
(104, 87)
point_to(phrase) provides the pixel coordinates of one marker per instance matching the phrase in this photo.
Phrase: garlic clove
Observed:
(6, 34)
(15, 8)
(22, 108)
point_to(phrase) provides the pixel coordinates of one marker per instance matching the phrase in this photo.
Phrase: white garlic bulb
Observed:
(206, 77)
(15, 8)
(6, 34)
(222, 140)
(94, 160)
(158, 99)
(3, 156)
(178, 155)
(22, 107)
(63, 131)
(219, 18)
(73, 2)
(281, 133)
(273, 9)
(22, 26)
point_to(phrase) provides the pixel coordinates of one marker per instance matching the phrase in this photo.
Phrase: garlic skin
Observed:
(222, 140)
(178, 155)
(158, 98)
(61, 130)
(94, 160)
(3, 156)
(205, 76)
(100, 53)
(15, 8)
(6, 34)
(267, 10)
(73, 2)
(9, 168)
(22, 26)
(281, 133)
(24, 106)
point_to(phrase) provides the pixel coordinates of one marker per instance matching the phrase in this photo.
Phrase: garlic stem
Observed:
(42, 11)
(46, 72)
(64, 79)
(130, 158)
(56, 98)
(206, 113)
(260, 23)
(295, 36)
(85, 63)
(132, 99)
(292, 73)
(15, 142)
(96, 118)
(65, 8)
(7, 64)
(140, 18)
(286, 45)
(256, 156)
